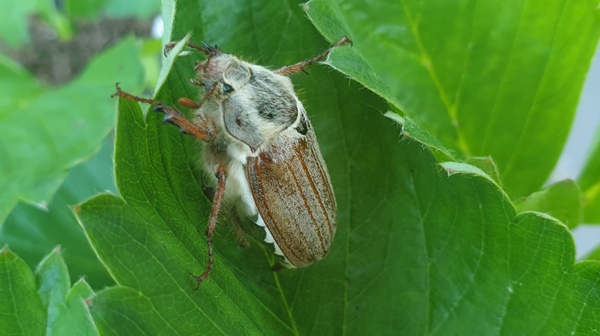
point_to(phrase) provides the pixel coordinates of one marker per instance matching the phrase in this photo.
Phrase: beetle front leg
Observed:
(212, 221)
(294, 68)
(172, 115)
(204, 48)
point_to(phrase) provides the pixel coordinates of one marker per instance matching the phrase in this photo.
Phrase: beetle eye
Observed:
(227, 88)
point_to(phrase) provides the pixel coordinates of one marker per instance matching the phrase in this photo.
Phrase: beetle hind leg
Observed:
(212, 222)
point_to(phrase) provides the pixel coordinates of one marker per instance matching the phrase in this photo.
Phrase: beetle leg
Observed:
(294, 68)
(172, 116)
(204, 48)
(212, 221)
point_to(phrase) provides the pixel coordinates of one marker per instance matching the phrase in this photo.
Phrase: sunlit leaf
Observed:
(499, 78)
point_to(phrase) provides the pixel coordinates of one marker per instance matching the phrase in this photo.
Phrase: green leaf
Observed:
(562, 200)
(13, 27)
(68, 313)
(76, 318)
(18, 85)
(151, 67)
(89, 9)
(53, 282)
(51, 132)
(124, 311)
(487, 78)
(21, 310)
(50, 307)
(135, 8)
(32, 232)
(420, 248)
(589, 181)
(55, 18)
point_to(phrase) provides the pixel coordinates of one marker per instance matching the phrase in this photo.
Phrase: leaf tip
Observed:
(305, 6)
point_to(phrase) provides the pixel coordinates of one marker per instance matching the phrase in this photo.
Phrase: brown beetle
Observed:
(261, 147)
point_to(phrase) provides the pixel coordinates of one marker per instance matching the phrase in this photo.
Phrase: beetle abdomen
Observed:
(292, 191)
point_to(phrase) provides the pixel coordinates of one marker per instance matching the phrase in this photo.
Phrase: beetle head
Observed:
(223, 74)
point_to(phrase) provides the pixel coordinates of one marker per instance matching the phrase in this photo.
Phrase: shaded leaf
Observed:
(495, 78)
(562, 200)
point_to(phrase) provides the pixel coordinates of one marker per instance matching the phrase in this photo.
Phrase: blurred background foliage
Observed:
(59, 63)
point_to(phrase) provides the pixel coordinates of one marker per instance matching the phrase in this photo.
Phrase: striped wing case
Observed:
(293, 193)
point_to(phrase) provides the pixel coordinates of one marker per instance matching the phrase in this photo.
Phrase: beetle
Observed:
(262, 150)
